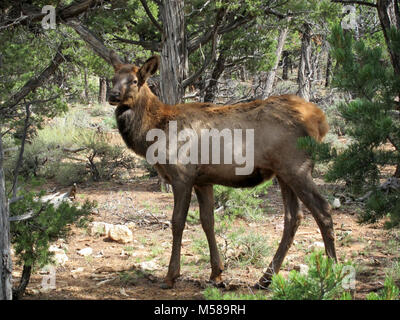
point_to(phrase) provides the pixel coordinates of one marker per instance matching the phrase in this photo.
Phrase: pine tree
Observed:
(372, 123)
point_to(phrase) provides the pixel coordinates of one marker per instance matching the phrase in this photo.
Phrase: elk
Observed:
(278, 123)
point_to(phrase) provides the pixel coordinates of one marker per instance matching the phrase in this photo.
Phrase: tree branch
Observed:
(34, 14)
(91, 39)
(195, 43)
(149, 45)
(14, 22)
(363, 3)
(150, 15)
(21, 217)
(220, 16)
(35, 82)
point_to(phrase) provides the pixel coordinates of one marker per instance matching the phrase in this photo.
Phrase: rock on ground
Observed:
(100, 228)
(85, 252)
(120, 233)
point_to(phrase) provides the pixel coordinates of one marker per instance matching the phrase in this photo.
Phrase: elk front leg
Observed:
(205, 196)
(182, 195)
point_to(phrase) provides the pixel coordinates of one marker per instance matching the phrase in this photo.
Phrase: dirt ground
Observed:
(135, 270)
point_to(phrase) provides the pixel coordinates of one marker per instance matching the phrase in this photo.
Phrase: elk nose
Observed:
(114, 96)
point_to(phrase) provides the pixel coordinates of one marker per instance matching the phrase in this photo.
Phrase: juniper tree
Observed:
(372, 122)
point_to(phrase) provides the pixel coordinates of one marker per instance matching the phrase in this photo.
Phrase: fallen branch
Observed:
(22, 217)
(391, 184)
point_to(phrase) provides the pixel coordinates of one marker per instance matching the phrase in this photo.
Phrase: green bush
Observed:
(364, 70)
(69, 173)
(69, 151)
(381, 204)
(152, 172)
(322, 282)
(99, 110)
(389, 292)
(245, 203)
(215, 294)
(246, 249)
(110, 122)
(31, 238)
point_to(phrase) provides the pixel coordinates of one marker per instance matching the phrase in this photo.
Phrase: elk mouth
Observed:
(114, 101)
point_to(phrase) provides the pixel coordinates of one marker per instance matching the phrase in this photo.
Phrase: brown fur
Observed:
(277, 122)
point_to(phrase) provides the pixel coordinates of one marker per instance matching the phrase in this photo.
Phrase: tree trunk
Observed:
(5, 252)
(23, 283)
(328, 70)
(305, 70)
(102, 91)
(286, 62)
(278, 53)
(174, 55)
(315, 60)
(211, 88)
(389, 16)
(86, 85)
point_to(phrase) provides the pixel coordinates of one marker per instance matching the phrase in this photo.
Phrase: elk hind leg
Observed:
(307, 191)
(292, 219)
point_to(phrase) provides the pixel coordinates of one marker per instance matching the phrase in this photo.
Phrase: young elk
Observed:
(277, 124)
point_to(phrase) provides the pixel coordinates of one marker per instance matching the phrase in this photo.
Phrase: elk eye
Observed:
(134, 81)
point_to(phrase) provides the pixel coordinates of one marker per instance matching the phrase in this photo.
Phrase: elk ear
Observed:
(148, 69)
(115, 61)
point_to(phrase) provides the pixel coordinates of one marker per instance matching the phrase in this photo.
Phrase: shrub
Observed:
(246, 249)
(245, 203)
(215, 294)
(110, 122)
(322, 282)
(389, 292)
(152, 172)
(31, 238)
(99, 110)
(70, 151)
(69, 173)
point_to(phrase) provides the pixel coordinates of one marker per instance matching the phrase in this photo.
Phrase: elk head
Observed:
(128, 79)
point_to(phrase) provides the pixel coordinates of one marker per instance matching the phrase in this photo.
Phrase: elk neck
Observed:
(134, 120)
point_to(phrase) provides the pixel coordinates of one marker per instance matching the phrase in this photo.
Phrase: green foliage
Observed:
(152, 172)
(319, 151)
(70, 151)
(193, 217)
(110, 122)
(381, 204)
(366, 72)
(246, 249)
(389, 292)
(322, 282)
(31, 238)
(216, 294)
(245, 203)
